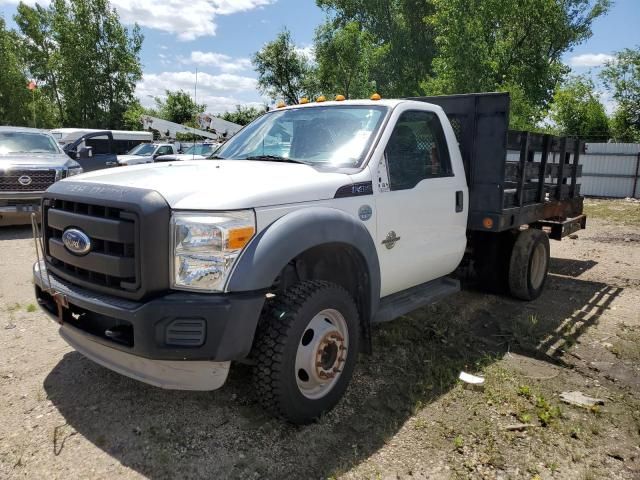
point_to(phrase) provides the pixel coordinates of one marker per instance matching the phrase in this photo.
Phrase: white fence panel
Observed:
(611, 170)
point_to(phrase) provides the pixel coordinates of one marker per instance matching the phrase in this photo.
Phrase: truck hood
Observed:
(44, 160)
(224, 184)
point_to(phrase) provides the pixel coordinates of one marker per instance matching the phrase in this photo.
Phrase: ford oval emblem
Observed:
(76, 241)
(24, 180)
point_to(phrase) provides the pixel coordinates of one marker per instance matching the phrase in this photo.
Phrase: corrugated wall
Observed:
(611, 170)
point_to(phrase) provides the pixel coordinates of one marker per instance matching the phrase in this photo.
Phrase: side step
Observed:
(401, 303)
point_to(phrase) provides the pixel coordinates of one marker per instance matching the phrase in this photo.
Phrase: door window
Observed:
(164, 151)
(417, 150)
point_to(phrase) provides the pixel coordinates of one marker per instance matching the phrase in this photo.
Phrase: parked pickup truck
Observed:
(146, 153)
(169, 272)
(30, 161)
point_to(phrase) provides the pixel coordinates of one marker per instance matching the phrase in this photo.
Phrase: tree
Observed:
(622, 77)
(577, 111)
(485, 45)
(403, 44)
(243, 114)
(132, 117)
(179, 107)
(345, 56)
(15, 99)
(85, 60)
(283, 72)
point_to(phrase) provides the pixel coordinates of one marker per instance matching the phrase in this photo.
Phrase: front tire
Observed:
(305, 350)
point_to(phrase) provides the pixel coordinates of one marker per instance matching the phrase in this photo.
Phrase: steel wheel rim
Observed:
(538, 265)
(322, 354)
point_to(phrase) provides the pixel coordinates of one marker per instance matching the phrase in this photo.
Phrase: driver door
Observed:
(421, 222)
(94, 151)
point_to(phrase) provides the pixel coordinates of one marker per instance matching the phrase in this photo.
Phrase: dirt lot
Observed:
(405, 415)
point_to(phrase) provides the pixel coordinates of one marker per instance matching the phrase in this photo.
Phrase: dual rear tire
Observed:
(513, 262)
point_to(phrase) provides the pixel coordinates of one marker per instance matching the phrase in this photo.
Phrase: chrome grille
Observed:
(32, 180)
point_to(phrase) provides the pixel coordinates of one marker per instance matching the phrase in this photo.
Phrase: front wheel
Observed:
(305, 350)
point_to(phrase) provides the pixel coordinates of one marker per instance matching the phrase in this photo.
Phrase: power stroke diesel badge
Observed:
(76, 241)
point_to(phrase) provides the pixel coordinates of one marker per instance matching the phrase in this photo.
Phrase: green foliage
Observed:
(132, 117)
(345, 56)
(402, 44)
(242, 115)
(87, 62)
(577, 111)
(622, 77)
(15, 98)
(179, 107)
(494, 45)
(283, 72)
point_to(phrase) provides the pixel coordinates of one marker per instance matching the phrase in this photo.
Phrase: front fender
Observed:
(294, 233)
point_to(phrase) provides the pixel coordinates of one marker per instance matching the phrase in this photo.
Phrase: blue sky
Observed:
(219, 36)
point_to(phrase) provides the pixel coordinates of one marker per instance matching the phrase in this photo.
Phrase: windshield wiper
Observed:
(216, 157)
(275, 158)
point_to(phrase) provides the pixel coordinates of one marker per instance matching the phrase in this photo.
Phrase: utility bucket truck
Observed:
(312, 223)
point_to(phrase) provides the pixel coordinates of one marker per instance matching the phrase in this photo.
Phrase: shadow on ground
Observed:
(15, 233)
(416, 359)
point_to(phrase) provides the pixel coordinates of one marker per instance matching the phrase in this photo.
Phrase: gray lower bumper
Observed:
(172, 375)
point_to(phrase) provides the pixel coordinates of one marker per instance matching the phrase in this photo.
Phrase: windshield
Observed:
(27, 142)
(142, 150)
(329, 135)
(203, 149)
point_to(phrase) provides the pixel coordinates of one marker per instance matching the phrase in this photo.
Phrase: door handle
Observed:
(111, 164)
(459, 201)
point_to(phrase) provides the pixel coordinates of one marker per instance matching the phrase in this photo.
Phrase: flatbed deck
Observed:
(515, 178)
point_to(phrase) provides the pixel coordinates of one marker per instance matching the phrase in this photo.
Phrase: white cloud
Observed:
(307, 52)
(218, 92)
(188, 21)
(219, 60)
(590, 60)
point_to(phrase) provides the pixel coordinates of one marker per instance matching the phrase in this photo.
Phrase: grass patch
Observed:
(615, 211)
(31, 308)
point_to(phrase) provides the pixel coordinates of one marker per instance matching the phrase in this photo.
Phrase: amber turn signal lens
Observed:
(239, 237)
(487, 223)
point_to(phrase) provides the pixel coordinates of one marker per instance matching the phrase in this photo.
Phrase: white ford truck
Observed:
(309, 225)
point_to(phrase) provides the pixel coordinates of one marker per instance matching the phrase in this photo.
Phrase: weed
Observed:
(524, 417)
(421, 424)
(458, 443)
(524, 391)
(31, 308)
(546, 412)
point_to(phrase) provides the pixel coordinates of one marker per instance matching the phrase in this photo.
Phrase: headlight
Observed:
(74, 171)
(205, 247)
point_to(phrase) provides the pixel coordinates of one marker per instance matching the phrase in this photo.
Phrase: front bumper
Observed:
(17, 208)
(125, 335)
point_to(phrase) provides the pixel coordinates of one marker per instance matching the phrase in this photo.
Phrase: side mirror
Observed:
(84, 152)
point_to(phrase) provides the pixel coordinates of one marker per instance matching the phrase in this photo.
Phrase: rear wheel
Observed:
(529, 264)
(305, 350)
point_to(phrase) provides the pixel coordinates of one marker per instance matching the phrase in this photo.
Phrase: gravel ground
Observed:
(405, 414)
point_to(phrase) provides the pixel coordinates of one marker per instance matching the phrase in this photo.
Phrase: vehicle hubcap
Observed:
(322, 353)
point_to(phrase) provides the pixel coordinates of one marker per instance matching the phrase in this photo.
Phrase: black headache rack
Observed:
(515, 178)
